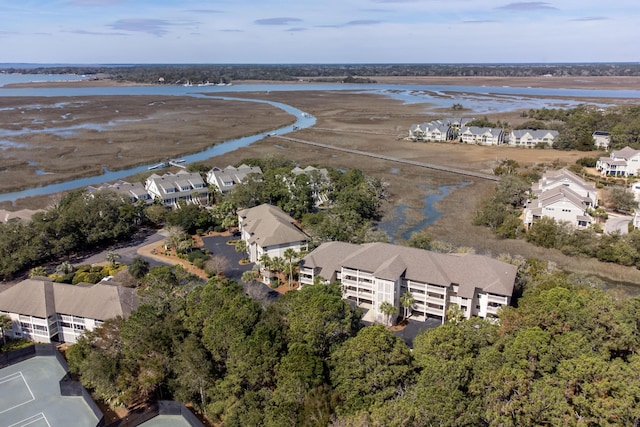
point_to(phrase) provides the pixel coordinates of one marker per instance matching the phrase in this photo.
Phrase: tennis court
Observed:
(30, 397)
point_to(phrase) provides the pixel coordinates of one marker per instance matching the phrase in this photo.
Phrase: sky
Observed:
(318, 31)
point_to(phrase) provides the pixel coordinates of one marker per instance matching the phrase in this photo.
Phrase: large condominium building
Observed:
(374, 273)
(44, 311)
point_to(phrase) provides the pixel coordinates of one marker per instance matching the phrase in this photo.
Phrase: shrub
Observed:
(197, 254)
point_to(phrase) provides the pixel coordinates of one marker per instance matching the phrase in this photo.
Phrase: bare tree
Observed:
(217, 265)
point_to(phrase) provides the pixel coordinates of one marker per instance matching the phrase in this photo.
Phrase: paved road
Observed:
(128, 250)
(617, 224)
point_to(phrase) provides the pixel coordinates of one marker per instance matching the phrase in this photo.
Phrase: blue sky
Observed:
(321, 31)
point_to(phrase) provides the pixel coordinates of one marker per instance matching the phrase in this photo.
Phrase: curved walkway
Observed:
(393, 159)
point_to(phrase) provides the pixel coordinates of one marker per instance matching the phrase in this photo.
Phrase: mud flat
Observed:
(47, 140)
(364, 122)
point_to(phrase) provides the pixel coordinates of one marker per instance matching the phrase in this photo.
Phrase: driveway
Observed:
(128, 250)
(217, 245)
(617, 224)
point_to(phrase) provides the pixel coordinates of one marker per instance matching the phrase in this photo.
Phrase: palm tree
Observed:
(5, 323)
(139, 267)
(65, 267)
(388, 310)
(277, 264)
(111, 258)
(290, 255)
(249, 276)
(407, 301)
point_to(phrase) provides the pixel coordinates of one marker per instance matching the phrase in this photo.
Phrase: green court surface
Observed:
(166, 421)
(30, 397)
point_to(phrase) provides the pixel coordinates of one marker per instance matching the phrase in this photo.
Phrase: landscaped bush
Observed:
(14, 344)
(197, 254)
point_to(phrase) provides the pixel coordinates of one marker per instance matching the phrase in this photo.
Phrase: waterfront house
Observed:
(601, 139)
(625, 162)
(481, 135)
(319, 183)
(172, 188)
(130, 191)
(530, 138)
(225, 179)
(267, 229)
(563, 196)
(24, 215)
(45, 311)
(373, 273)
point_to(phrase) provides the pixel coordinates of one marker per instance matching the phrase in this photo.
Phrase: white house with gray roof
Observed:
(131, 191)
(373, 273)
(172, 188)
(319, 182)
(530, 138)
(625, 162)
(267, 229)
(563, 196)
(225, 179)
(45, 311)
(601, 139)
(432, 131)
(481, 135)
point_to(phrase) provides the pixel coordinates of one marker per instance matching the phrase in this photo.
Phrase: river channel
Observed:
(480, 99)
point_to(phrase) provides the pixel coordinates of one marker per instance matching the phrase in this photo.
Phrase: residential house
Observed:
(19, 215)
(636, 219)
(481, 135)
(635, 189)
(601, 139)
(267, 229)
(131, 192)
(625, 162)
(563, 196)
(225, 179)
(172, 188)
(45, 311)
(374, 273)
(319, 181)
(457, 123)
(432, 131)
(530, 138)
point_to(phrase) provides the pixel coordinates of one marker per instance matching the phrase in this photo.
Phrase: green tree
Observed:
(388, 310)
(5, 323)
(139, 267)
(621, 199)
(193, 373)
(249, 276)
(376, 378)
(39, 271)
(420, 240)
(291, 256)
(544, 232)
(318, 317)
(112, 258)
(407, 301)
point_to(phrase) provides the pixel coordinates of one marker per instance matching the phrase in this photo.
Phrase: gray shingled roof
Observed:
(538, 134)
(390, 262)
(270, 225)
(328, 257)
(42, 298)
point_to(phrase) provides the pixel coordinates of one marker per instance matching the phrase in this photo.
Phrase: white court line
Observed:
(32, 419)
(23, 403)
(10, 377)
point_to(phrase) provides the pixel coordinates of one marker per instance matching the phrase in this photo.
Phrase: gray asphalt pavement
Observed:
(127, 250)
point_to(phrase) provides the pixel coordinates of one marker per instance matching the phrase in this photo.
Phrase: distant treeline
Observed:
(225, 73)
